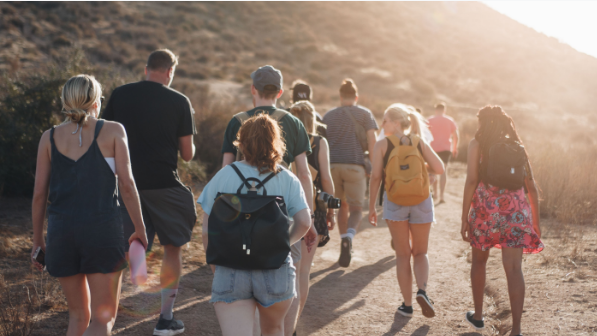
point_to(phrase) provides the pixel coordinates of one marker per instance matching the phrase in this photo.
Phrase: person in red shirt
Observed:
(445, 144)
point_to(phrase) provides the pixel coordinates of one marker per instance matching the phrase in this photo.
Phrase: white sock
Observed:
(350, 233)
(168, 297)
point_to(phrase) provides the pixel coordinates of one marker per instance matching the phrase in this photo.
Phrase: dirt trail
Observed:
(362, 299)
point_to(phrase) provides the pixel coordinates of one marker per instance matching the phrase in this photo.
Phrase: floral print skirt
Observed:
(502, 218)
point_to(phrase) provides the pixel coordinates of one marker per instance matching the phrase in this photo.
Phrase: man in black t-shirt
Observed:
(159, 122)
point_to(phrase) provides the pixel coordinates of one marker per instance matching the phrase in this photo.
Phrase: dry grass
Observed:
(17, 310)
(568, 182)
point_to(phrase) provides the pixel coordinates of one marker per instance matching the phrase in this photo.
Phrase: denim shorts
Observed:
(415, 214)
(266, 287)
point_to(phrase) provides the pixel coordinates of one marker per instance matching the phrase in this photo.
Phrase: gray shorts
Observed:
(415, 214)
(266, 287)
(169, 212)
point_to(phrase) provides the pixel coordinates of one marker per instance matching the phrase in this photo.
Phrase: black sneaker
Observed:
(425, 303)
(405, 310)
(168, 327)
(478, 325)
(345, 252)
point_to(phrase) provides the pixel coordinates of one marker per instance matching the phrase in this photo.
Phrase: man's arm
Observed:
(304, 175)
(371, 139)
(186, 147)
(455, 138)
(228, 148)
(228, 159)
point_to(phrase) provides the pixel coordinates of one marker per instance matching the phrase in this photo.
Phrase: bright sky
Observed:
(571, 22)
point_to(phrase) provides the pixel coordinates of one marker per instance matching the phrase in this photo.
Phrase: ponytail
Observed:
(348, 89)
(415, 123)
(78, 96)
(408, 118)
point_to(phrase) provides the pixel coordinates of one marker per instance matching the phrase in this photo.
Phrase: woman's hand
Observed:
(465, 230)
(311, 237)
(331, 219)
(43, 248)
(141, 235)
(537, 229)
(372, 216)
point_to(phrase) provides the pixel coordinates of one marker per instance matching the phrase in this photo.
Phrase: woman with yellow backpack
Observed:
(402, 161)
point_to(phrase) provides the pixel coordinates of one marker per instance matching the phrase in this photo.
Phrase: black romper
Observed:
(84, 227)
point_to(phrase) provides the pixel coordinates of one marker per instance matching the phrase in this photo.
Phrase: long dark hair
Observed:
(495, 125)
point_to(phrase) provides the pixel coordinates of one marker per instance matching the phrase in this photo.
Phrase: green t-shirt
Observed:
(293, 131)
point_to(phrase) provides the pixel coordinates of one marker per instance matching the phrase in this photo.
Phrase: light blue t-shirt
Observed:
(284, 184)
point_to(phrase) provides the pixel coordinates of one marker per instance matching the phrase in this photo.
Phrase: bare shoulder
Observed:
(45, 138)
(114, 128)
(474, 144)
(381, 145)
(324, 142)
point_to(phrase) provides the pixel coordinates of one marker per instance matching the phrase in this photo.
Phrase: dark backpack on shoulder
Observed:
(248, 231)
(506, 165)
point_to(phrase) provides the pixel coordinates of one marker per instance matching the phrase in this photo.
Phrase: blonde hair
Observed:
(305, 112)
(407, 116)
(78, 96)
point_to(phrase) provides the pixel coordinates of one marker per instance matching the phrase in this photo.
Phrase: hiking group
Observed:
(111, 182)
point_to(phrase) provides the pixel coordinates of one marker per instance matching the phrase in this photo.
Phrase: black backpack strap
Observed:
(260, 183)
(242, 177)
(386, 158)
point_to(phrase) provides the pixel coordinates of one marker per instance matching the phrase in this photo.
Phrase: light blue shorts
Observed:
(264, 286)
(415, 214)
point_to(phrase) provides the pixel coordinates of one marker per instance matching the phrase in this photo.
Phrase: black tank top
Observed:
(85, 188)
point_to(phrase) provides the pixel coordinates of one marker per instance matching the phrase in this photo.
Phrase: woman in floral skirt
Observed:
(498, 217)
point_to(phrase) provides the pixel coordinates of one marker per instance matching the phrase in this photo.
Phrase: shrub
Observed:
(29, 105)
(211, 118)
(566, 178)
(26, 111)
(17, 313)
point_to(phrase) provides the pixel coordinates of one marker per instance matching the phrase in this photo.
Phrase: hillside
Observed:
(464, 53)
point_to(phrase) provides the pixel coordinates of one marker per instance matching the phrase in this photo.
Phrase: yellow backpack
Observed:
(406, 179)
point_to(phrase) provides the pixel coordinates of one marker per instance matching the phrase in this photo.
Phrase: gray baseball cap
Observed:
(267, 75)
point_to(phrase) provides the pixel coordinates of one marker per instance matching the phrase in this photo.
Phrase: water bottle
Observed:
(138, 264)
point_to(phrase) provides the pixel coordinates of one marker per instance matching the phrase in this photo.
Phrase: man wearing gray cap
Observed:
(266, 89)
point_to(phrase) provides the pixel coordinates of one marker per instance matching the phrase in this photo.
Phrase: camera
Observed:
(327, 201)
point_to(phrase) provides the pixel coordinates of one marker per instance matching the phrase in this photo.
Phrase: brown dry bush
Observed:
(569, 186)
(17, 310)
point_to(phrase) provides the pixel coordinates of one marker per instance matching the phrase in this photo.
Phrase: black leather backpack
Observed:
(506, 165)
(248, 231)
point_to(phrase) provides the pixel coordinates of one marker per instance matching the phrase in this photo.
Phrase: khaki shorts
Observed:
(350, 183)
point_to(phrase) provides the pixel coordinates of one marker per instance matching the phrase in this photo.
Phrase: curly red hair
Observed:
(260, 142)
